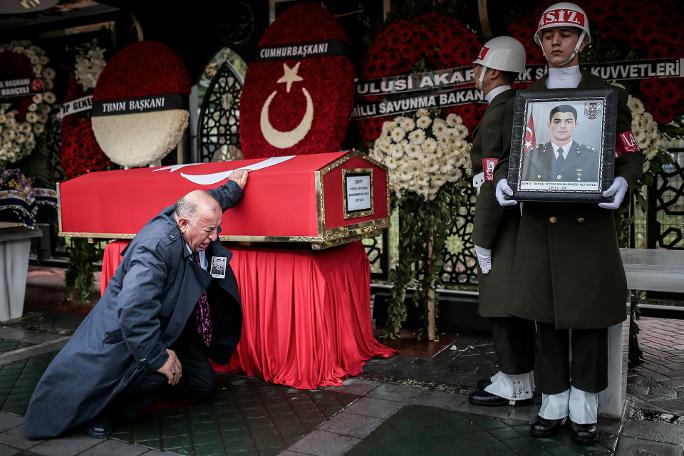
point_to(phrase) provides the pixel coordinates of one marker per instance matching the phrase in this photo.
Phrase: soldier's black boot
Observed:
(541, 427)
(584, 434)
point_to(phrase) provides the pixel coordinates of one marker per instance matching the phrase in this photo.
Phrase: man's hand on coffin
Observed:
(239, 176)
(172, 368)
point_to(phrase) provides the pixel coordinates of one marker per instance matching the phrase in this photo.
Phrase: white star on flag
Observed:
(290, 76)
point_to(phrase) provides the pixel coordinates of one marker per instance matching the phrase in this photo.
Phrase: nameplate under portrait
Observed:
(563, 145)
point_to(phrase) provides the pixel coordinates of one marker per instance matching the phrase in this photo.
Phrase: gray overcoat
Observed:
(142, 312)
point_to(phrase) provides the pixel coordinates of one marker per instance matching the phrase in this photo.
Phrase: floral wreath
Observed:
(80, 152)
(423, 152)
(273, 115)
(23, 119)
(142, 69)
(439, 41)
(652, 27)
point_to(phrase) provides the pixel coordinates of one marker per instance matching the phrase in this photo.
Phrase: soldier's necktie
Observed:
(202, 312)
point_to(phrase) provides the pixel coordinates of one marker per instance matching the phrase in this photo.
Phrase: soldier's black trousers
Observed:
(586, 368)
(513, 344)
(197, 382)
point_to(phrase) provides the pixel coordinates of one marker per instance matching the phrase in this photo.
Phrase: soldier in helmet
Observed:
(561, 159)
(495, 229)
(567, 272)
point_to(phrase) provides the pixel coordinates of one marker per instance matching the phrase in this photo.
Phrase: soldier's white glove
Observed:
(484, 258)
(503, 191)
(617, 188)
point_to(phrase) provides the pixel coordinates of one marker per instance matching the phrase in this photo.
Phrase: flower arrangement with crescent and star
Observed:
(298, 93)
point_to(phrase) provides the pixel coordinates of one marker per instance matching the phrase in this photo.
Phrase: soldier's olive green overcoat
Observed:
(494, 227)
(567, 269)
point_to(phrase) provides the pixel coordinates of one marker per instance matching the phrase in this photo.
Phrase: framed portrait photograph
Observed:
(563, 145)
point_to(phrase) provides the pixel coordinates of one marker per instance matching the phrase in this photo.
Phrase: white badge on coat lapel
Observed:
(218, 267)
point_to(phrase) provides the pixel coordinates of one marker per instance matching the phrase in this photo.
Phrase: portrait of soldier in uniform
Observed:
(562, 159)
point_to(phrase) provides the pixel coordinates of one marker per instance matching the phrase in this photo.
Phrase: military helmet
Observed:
(502, 53)
(563, 14)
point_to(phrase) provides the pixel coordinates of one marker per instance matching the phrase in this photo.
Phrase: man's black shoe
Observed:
(486, 399)
(99, 427)
(584, 434)
(541, 427)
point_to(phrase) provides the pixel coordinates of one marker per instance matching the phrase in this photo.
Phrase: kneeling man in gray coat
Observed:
(172, 304)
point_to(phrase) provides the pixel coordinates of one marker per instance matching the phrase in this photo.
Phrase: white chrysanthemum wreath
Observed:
(423, 152)
(17, 134)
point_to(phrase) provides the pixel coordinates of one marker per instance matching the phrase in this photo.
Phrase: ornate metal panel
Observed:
(665, 218)
(460, 262)
(218, 129)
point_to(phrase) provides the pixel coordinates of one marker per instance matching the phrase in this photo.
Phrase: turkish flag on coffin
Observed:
(285, 196)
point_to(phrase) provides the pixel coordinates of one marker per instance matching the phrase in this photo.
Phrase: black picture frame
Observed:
(587, 165)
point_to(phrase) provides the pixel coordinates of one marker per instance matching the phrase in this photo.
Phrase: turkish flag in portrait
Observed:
(530, 140)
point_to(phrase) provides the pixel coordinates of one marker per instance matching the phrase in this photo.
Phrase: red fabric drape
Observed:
(306, 314)
(110, 261)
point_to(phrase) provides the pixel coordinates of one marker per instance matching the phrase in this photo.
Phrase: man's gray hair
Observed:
(185, 208)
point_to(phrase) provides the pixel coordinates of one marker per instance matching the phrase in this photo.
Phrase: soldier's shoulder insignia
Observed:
(585, 148)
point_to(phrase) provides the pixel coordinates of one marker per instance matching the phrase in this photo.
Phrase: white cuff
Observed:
(583, 406)
(555, 406)
(512, 387)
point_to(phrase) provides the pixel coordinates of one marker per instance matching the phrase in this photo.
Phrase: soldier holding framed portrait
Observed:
(568, 273)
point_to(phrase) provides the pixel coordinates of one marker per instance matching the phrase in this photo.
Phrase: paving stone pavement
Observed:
(408, 404)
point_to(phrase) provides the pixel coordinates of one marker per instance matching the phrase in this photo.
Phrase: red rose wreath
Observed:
(80, 152)
(653, 28)
(297, 104)
(140, 72)
(441, 41)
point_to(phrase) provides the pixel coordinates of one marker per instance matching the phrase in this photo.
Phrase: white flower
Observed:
(37, 98)
(429, 146)
(398, 134)
(32, 107)
(49, 97)
(38, 128)
(406, 123)
(413, 151)
(49, 73)
(417, 136)
(396, 151)
(453, 119)
(439, 126)
(31, 117)
(387, 128)
(422, 112)
(423, 122)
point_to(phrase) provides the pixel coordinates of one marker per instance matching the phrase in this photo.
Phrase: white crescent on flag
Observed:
(213, 178)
